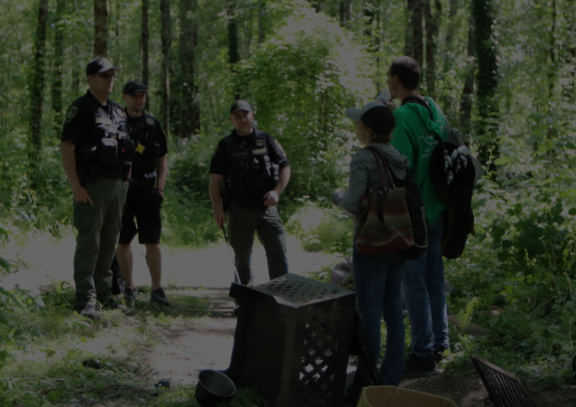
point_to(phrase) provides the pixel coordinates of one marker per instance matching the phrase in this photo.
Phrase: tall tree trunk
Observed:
(58, 62)
(452, 25)
(145, 40)
(262, 21)
(409, 31)
(233, 54)
(418, 33)
(100, 29)
(368, 18)
(431, 31)
(36, 93)
(377, 35)
(248, 26)
(486, 81)
(166, 39)
(75, 71)
(552, 64)
(345, 12)
(188, 32)
(570, 56)
(468, 91)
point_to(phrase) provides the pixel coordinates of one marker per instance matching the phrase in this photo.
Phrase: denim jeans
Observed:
(378, 281)
(425, 297)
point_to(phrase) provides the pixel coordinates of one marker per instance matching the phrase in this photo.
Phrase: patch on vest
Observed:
(150, 121)
(259, 143)
(280, 148)
(259, 151)
(71, 113)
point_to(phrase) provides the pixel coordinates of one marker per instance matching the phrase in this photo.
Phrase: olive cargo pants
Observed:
(242, 223)
(98, 231)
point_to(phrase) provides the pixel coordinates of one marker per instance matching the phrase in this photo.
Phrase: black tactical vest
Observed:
(108, 125)
(143, 132)
(250, 169)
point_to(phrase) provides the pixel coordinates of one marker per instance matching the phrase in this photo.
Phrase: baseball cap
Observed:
(374, 115)
(100, 65)
(240, 105)
(133, 87)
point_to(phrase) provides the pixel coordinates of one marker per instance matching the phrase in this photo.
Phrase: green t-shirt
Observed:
(413, 137)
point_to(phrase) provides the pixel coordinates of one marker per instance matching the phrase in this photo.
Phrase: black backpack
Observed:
(416, 209)
(454, 185)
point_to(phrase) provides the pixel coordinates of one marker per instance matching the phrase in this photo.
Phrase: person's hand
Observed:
(81, 195)
(219, 216)
(334, 196)
(271, 198)
(160, 192)
(391, 105)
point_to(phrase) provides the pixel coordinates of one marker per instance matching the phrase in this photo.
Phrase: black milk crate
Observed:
(504, 388)
(292, 341)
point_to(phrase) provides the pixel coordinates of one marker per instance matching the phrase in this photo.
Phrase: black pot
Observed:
(213, 387)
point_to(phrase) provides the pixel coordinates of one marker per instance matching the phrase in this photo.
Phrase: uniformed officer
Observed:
(255, 171)
(96, 155)
(145, 194)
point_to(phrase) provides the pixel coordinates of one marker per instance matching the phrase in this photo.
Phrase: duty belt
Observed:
(110, 174)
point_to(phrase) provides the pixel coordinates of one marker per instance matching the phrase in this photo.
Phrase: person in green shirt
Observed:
(418, 119)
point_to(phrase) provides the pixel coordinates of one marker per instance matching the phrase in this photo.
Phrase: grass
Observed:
(53, 351)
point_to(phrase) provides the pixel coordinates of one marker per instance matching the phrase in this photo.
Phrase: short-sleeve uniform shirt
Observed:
(144, 139)
(220, 163)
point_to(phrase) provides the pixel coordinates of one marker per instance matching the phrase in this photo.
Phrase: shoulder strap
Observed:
(380, 160)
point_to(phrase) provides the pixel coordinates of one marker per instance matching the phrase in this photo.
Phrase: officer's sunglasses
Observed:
(107, 75)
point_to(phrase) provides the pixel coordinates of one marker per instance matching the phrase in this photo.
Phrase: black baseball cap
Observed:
(100, 65)
(375, 115)
(133, 87)
(240, 105)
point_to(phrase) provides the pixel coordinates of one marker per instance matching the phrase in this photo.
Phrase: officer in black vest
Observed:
(145, 194)
(96, 155)
(255, 170)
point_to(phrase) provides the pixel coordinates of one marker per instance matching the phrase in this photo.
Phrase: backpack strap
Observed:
(381, 161)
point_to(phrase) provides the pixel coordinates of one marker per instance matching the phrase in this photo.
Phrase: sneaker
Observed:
(159, 297)
(89, 311)
(130, 293)
(112, 304)
(440, 354)
(418, 367)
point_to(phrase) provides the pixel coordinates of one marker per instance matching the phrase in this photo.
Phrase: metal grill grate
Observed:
(504, 388)
(300, 293)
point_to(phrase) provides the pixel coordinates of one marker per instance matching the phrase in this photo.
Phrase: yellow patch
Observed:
(140, 148)
(71, 113)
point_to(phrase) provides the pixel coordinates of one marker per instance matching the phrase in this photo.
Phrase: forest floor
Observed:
(152, 343)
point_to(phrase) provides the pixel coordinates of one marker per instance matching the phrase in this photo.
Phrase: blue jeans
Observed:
(378, 281)
(425, 297)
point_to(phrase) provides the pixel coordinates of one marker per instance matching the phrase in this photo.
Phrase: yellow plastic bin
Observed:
(391, 396)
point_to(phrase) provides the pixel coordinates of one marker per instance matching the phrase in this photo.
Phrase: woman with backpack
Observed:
(377, 277)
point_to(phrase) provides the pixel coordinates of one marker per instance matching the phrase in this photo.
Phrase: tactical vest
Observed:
(102, 151)
(144, 133)
(250, 169)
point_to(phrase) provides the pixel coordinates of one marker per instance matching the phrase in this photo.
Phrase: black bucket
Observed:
(213, 387)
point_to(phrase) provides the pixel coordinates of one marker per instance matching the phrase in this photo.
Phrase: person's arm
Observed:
(80, 194)
(272, 197)
(216, 198)
(162, 171)
(351, 200)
